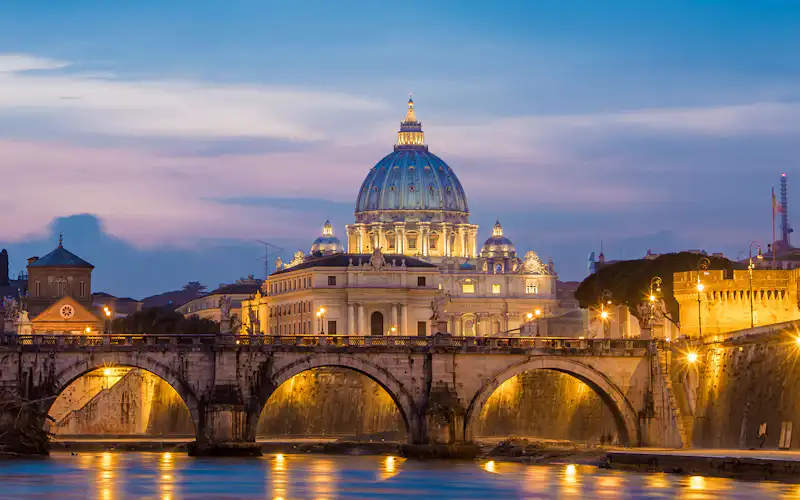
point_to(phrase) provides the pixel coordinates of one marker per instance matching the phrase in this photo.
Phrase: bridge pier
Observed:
(222, 431)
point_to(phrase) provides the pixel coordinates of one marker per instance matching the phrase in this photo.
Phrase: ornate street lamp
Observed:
(702, 265)
(605, 298)
(107, 312)
(321, 320)
(655, 287)
(750, 268)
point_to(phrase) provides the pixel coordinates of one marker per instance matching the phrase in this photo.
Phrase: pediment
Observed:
(74, 311)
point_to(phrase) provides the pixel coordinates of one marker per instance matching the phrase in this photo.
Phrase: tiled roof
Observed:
(61, 257)
(343, 260)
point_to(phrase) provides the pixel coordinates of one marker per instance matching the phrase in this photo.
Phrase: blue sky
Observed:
(185, 130)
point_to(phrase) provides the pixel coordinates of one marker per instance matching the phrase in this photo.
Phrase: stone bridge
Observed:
(439, 384)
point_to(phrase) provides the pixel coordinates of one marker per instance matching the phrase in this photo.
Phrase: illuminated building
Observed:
(412, 211)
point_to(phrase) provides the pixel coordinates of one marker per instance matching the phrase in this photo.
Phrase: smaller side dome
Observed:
(326, 244)
(498, 245)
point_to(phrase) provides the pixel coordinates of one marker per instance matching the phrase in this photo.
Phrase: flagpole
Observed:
(774, 249)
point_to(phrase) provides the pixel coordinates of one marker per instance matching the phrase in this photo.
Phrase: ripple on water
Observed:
(173, 476)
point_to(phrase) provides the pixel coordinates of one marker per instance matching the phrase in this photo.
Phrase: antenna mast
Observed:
(785, 228)
(270, 250)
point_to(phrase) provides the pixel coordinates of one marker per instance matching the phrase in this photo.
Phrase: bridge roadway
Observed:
(439, 383)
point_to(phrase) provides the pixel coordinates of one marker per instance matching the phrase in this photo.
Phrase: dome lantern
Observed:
(411, 135)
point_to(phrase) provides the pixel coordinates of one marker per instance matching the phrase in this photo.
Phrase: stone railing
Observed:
(290, 342)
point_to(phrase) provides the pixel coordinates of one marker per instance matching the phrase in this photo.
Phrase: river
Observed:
(174, 476)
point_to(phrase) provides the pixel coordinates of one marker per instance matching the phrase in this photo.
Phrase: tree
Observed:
(157, 320)
(629, 281)
(195, 287)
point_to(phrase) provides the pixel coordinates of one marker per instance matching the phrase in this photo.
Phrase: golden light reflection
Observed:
(390, 466)
(697, 483)
(323, 481)
(106, 474)
(279, 477)
(656, 480)
(490, 466)
(570, 473)
(167, 482)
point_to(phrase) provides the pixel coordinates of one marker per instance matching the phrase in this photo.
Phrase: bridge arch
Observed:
(396, 390)
(624, 415)
(74, 371)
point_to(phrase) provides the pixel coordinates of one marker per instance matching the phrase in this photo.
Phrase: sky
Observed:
(164, 139)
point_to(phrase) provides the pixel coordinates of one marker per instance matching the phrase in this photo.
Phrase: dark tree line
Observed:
(158, 320)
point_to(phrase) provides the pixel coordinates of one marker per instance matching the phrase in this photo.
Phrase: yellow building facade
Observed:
(723, 302)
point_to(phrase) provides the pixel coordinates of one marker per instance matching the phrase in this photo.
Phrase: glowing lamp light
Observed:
(322, 310)
(107, 372)
(691, 357)
(538, 312)
(604, 315)
(529, 316)
(652, 298)
(700, 287)
(319, 314)
(394, 329)
(88, 329)
(797, 340)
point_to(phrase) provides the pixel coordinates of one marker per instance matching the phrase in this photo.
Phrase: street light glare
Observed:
(691, 357)
(652, 298)
(530, 315)
(700, 287)
(538, 312)
(604, 315)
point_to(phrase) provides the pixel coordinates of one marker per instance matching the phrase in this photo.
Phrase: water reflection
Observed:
(174, 476)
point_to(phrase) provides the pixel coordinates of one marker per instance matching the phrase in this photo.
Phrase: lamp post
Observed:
(107, 312)
(655, 287)
(321, 320)
(605, 298)
(535, 315)
(702, 265)
(750, 267)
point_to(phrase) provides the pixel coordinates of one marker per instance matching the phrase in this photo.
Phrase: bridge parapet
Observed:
(334, 343)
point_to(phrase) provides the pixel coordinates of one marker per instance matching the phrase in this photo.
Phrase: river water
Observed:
(173, 476)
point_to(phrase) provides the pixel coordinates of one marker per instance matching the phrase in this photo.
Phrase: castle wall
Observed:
(724, 302)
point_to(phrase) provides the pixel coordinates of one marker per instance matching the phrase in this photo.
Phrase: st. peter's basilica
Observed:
(412, 266)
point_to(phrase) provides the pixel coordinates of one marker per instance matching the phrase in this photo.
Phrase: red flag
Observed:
(776, 207)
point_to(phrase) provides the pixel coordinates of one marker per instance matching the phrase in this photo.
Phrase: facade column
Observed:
(445, 241)
(361, 326)
(404, 319)
(462, 236)
(351, 320)
(398, 239)
(394, 317)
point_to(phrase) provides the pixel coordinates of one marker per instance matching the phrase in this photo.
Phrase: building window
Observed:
(412, 243)
(331, 280)
(61, 287)
(422, 328)
(495, 288)
(531, 287)
(420, 280)
(83, 289)
(331, 327)
(434, 239)
(37, 289)
(468, 288)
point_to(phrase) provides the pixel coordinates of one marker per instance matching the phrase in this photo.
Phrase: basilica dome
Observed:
(411, 182)
(498, 245)
(327, 243)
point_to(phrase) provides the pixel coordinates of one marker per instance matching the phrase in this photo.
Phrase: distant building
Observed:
(208, 305)
(11, 288)
(59, 295)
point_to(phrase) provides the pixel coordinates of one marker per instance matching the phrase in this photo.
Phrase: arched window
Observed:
(61, 286)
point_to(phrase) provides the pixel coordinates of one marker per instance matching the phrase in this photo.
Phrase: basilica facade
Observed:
(413, 265)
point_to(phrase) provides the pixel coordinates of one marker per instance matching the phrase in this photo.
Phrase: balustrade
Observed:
(323, 341)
